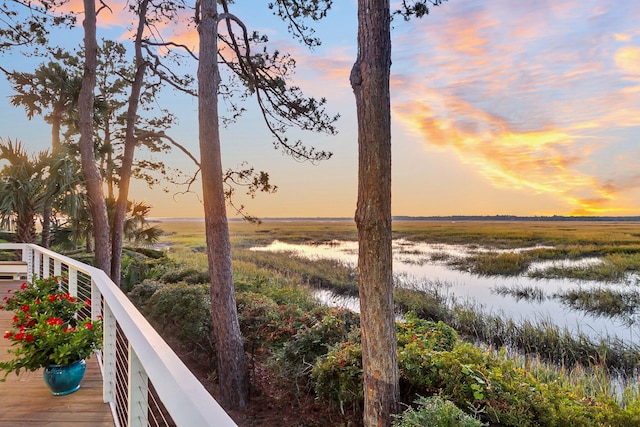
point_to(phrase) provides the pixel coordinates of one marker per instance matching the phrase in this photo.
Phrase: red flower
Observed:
(89, 325)
(87, 302)
(54, 321)
(16, 319)
(8, 334)
(52, 298)
(28, 338)
(19, 336)
(23, 286)
(26, 308)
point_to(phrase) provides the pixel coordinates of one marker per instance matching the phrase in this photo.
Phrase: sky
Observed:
(502, 107)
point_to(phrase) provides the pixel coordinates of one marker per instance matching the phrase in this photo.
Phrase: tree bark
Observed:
(46, 223)
(26, 227)
(90, 169)
(119, 217)
(370, 82)
(232, 367)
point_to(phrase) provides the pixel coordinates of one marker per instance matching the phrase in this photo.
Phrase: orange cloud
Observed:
(543, 161)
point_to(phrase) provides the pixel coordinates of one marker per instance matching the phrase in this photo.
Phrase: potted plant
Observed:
(50, 332)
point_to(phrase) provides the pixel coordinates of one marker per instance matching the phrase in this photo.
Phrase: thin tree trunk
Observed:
(90, 168)
(55, 151)
(55, 132)
(46, 223)
(232, 367)
(119, 217)
(370, 83)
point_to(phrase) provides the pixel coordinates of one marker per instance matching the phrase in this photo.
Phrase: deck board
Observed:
(26, 401)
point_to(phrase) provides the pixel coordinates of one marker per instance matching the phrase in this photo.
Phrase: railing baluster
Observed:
(36, 264)
(109, 356)
(138, 392)
(57, 268)
(46, 265)
(27, 256)
(73, 282)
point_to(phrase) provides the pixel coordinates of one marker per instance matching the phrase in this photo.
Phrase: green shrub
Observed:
(435, 411)
(313, 339)
(187, 275)
(137, 267)
(148, 252)
(431, 335)
(338, 376)
(141, 292)
(259, 319)
(8, 255)
(184, 311)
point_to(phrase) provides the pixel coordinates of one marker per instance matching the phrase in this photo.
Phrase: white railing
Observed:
(144, 381)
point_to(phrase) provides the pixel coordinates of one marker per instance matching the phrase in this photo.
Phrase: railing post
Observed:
(27, 256)
(96, 301)
(138, 392)
(46, 265)
(73, 282)
(109, 357)
(57, 268)
(36, 263)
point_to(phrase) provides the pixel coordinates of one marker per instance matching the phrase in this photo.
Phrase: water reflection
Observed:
(425, 265)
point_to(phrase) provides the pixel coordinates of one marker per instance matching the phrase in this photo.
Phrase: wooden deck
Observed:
(25, 400)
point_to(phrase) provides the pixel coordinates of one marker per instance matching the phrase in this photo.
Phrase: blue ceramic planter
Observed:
(64, 379)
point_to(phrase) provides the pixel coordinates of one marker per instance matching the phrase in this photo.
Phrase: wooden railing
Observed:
(144, 381)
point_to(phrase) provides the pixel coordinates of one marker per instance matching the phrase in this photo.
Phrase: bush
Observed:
(312, 340)
(338, 376)
(184, 311)
(259, 319)
(435, 411)
(141, 292)
(8, 255)
(430, 335)
(188, 275)
(137, 267)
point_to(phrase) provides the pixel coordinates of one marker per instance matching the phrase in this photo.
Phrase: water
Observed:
(423, 264)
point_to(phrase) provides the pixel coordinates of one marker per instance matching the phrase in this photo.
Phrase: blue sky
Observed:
(500, 107)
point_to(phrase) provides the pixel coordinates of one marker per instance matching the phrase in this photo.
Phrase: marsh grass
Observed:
(603, 301)
(491, 264)
(543, 338)
(521, 292)
(592, 380)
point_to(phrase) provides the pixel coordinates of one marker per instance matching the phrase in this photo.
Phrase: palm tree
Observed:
(23, 188)
(51, 87)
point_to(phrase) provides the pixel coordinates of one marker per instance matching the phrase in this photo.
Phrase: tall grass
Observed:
(603, 302)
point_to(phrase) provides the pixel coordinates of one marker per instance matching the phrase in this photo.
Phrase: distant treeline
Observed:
(517, 218)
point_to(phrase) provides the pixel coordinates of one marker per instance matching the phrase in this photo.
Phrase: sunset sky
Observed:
(502, 107)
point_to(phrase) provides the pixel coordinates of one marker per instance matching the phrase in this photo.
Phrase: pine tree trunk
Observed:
(370, 83)
(119, 217)
(232, 367)
(92, 174)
